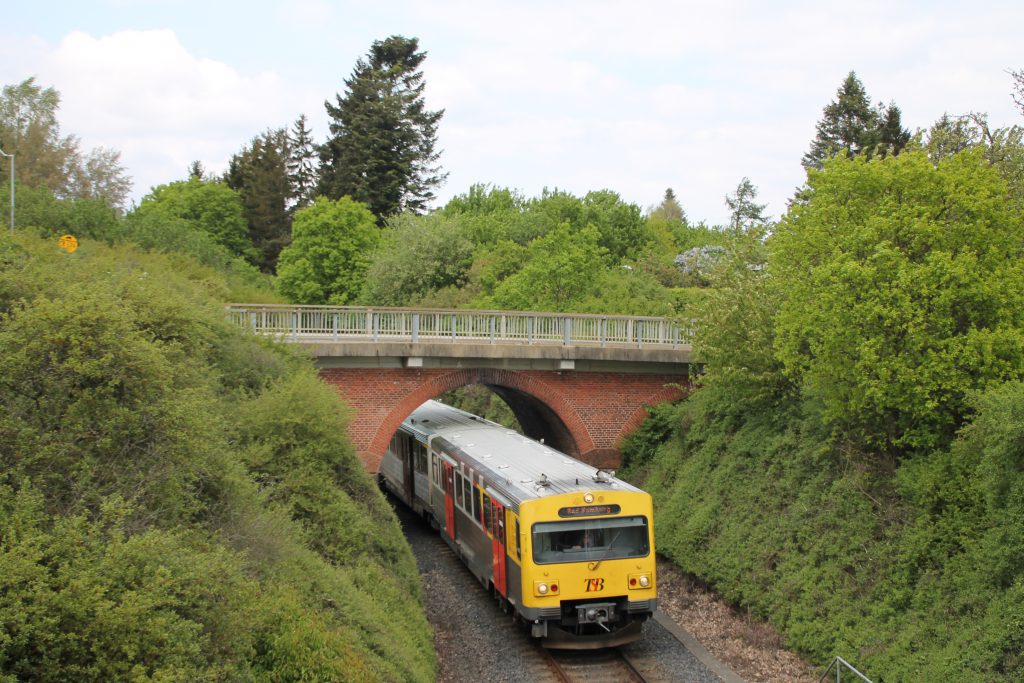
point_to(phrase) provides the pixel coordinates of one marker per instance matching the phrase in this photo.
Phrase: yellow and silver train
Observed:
(570, 549)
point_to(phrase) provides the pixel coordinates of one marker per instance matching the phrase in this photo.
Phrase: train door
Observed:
(449, 498)
(408, 464)
(498, 546)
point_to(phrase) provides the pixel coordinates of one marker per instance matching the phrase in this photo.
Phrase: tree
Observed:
(302, 171)
(330, 251)
(850, 124)
(29, 130)
(670, 209)
(901, 290)
(563, 268)
(259, 173)
(98, 174)
(420, 255)
(210, 207)
(381, 150)
(747, 216)
(1018, 88)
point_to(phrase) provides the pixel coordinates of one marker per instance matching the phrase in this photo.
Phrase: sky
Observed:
(634, 97)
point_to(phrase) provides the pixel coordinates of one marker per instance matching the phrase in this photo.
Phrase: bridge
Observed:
(579, 382)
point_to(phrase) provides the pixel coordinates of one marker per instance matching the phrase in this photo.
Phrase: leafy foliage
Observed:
(902, 292)
(330, 252)
(168, 509)
(850, 468)
(206, 206)
(47, 159)
(419, 256)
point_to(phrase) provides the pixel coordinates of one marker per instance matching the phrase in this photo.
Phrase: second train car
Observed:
(567, 547)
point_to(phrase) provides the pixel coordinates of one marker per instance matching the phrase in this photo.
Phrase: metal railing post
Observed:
(415, 327)
(376, 325)
(334, 326)
(491, 320)
(567, 325)
(529, 330)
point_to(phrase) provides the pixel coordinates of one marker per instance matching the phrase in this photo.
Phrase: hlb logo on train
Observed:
(595, 585)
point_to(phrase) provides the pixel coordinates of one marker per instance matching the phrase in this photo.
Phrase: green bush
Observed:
(178, 500)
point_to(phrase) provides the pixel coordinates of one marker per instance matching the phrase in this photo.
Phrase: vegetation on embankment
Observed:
(852, 466)
(178, 499)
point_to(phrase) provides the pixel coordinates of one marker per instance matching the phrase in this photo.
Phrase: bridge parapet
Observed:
(312, 324)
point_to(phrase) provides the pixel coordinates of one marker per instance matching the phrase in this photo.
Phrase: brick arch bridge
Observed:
(580, 382)
(585, 414)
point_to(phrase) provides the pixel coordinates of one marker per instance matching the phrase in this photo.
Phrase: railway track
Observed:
(593, 666)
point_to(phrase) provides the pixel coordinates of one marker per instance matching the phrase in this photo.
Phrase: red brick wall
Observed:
(598, 409)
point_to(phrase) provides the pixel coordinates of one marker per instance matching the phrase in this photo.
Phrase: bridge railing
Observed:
(353, 323)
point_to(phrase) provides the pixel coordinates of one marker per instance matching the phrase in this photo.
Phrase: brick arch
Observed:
(519, 382)
(670, 392)
(589, 412)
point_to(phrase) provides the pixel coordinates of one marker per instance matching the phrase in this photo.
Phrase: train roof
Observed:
(519, 467)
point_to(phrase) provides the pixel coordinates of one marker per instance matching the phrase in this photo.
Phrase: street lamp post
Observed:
(3, 153)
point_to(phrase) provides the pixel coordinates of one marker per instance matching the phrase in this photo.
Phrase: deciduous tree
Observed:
(330, 251)
(901, 285)
(45, 158)
(211, 207)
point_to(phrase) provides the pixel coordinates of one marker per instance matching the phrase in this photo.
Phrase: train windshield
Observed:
(590, 540)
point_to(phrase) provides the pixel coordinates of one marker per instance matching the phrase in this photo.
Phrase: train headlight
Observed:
(638, 581)
(542, 588)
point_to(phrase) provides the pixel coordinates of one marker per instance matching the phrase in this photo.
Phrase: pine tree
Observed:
(302, 171)
(382, 146)
(850, 124)
(892, 136)
(259, 173)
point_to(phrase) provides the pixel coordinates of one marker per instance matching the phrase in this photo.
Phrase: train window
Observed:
(421, 457)
(458, 489)
(487, 512)
(499, 524)
(590, 540)
(519, 543)
(467, 485)
(476, 505)
(436, 478)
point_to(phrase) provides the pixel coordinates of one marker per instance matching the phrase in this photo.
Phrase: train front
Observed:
(588, 567)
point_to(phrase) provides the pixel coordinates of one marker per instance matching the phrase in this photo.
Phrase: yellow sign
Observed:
(68, 243)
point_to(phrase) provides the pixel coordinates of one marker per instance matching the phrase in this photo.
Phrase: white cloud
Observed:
(143, 93)
(583, 94)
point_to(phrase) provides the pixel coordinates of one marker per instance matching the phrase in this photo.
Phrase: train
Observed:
(566, 547)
